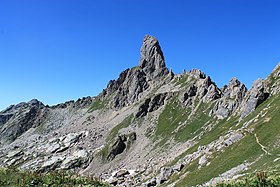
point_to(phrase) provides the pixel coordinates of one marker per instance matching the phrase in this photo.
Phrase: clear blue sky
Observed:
(58, 50)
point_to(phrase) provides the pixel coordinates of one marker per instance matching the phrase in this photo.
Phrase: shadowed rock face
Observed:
(17, 119)
(122, 143)
(117, 148)
(151, 104)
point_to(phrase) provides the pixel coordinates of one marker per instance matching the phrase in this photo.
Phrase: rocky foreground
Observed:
(151, 127)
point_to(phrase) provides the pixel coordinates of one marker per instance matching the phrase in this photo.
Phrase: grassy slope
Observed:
(267, 130)
(173, 115)
(16, 178)
(246, 149)
(98, 104)
(173, 122)
(270, 179)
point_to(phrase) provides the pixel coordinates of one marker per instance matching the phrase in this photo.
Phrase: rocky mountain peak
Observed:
(234, 82)
(151, 58)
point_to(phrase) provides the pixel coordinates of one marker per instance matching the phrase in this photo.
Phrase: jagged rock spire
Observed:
(232, 97)
(133, 82)
(152, 59)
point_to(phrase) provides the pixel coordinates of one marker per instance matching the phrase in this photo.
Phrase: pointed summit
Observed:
(152, 59)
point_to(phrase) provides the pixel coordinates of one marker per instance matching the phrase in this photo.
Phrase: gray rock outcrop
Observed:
(255, 96)
(187, 95)
(63, 143)
(122, 143)
(232, 96)
(203, 88)
(131, 89)
(164, 175)
(197, 74)
(75, 160)
(117, 148)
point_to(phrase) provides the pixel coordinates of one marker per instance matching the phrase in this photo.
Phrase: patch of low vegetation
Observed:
(172, 116)
(232, 123)
(17, 178)
(97, 105)
(184, 81)
(246, 150)
(193, 126)
(260, 179)
(220, 129)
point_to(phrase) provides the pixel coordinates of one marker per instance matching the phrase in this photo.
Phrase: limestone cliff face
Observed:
(148, 125)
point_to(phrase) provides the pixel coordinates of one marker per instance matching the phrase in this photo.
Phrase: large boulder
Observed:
(52, 163)
(122, 143)
(117, 148)
(75, 160)
(164, 175)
